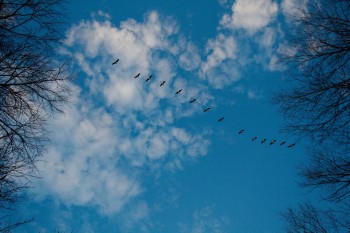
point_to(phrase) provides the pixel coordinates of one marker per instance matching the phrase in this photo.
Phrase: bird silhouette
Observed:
(178, 92)
(272, 142)
(241, 131)
(206, 110)
(192, 101)
(162, 83)
(291, 145)
(254, 138)
(282, 143)
(149, 78)
(264, 140)
(138, 75)
(116, 61)
(221, 119)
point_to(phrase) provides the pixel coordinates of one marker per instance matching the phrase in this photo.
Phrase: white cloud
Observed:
(81, 167)
(221, 48)
(137, 219)
(250, 15)
(267, 39)
(250, 93)
(190, 58)
(253, 94)
(99, 145)
(204, 221)
(220, 68)
(268, 48)
(222, 2)
(290, 7)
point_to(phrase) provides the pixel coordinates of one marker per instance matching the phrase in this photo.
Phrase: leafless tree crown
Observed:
(308, 219)
(317, 105)
(33, 87)
(318, 57)
(329, 170)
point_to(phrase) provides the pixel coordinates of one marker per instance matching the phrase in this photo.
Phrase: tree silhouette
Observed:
(33, 87)
(329, 170)
(318, 57)
(308, 219)
(317, 105)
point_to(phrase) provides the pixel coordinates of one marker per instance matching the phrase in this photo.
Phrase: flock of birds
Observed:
(271, 142)
(221, 119)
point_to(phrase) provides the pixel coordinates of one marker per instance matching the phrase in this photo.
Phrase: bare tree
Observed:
(329, 170)
(6, 225)
(308, 219)
(33, 87)
(318, 57)
(317, 105)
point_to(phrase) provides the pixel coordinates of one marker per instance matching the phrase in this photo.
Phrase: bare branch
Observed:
(34, 85)
(308, 219)
(318, 54)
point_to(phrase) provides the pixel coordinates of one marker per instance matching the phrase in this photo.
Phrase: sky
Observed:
(133, 156)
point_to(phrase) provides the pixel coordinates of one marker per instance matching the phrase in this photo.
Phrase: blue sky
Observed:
(131, 156)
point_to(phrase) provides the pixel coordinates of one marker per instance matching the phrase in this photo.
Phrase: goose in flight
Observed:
(116, 61)
(221, 119)
(264, 140)
(192, 101)
(241, 131)
(178, 91)
(291, 145)
(272, 142)
(149, 78)
(206, 110)
(282, 143)
(254, 138)
(162, 83)
(138, 75)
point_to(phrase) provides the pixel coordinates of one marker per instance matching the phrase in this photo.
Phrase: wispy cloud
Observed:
(224, 3)
(120, 124)
(250, 15)
(190, 58)
(220, 68)
(204, 220)
(81, 167)
(290, 7)
(137, 219)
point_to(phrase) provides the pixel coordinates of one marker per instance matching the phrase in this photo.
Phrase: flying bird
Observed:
(254, 138)
(291, 145)
(192, 101)
(116, 61)
(206, 110)
(178, 92)
(149, 78)
(282, 143)
(272, 142)
(264, 140)
(162, 83)
(138, 75)
(241, 131)
(221, 119)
